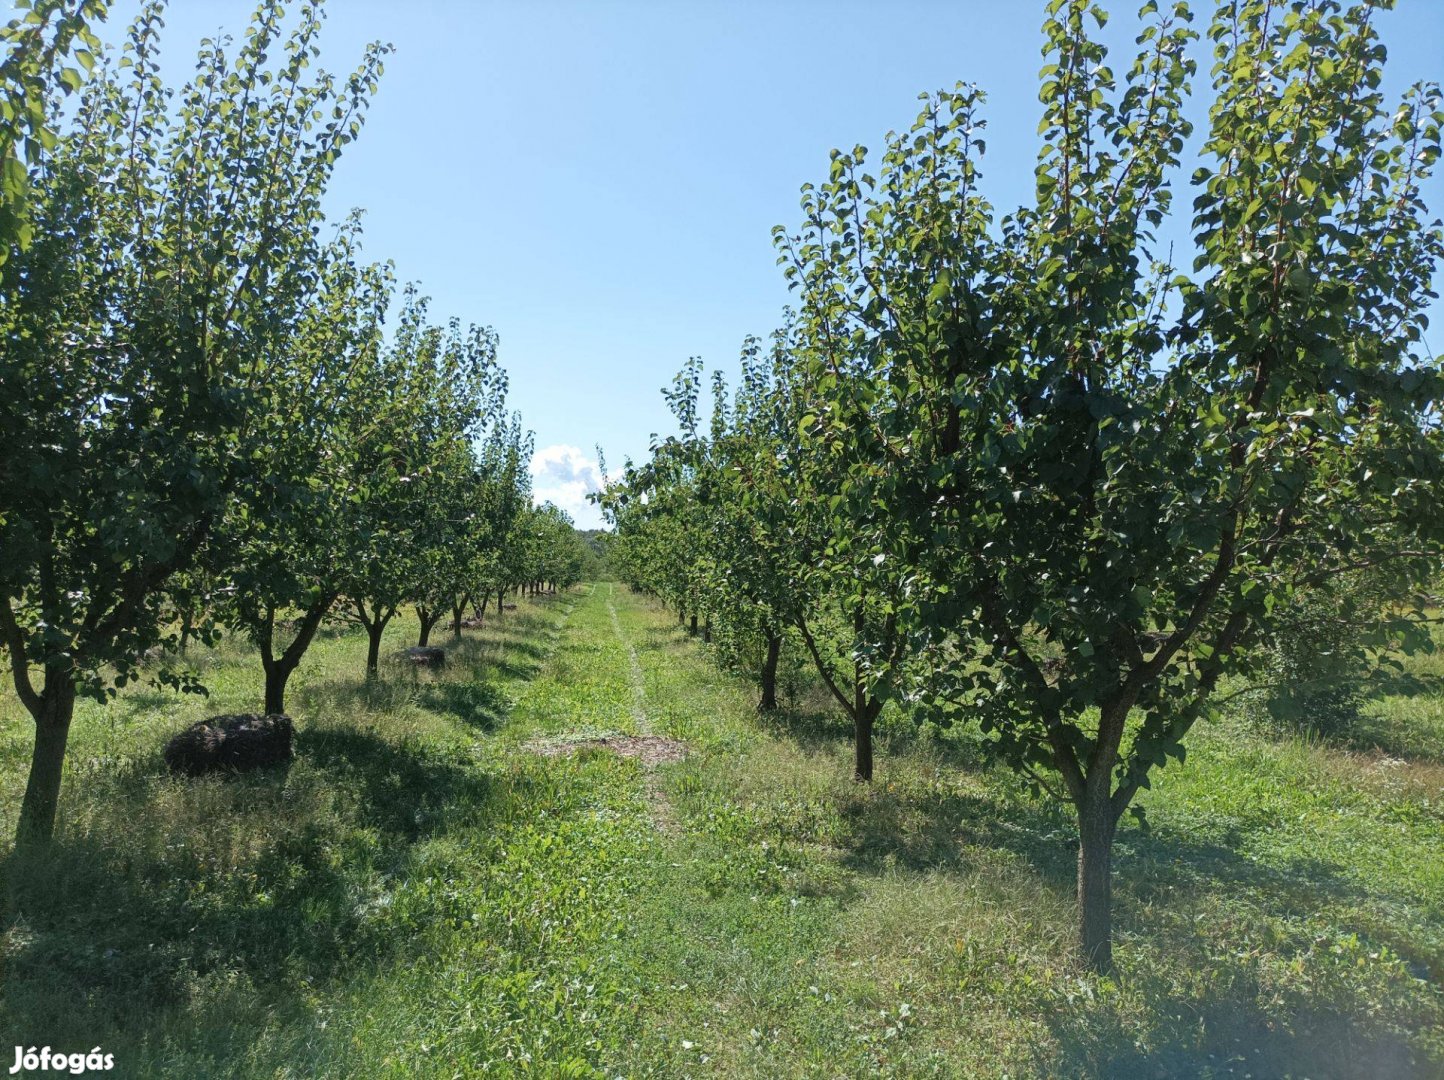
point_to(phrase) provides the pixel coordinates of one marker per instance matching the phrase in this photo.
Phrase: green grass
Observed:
(420, 894)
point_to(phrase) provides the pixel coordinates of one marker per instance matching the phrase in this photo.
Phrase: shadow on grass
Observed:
(407, 790)
(1234, 1038)
(253, 889)
(1391, 683)
(1234, 1029)
(810, 729)
(1367, 722)
(480, 705)
(1374, 733)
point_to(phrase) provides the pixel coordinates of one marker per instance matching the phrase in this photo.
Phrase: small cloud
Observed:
(564, 475)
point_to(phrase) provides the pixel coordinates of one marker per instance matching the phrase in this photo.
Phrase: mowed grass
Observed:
(422, 894)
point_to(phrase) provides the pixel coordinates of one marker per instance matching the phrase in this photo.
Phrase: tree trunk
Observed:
(692, 629)
(1096, 826)
(458, 610)
(864, 712)
(278, 669)
(428, 619)
(862, 746)
(769, 674)
(375, 626)
(373, 647)
(500, 602)
(277, 673)
(707, 629)
(47, 762)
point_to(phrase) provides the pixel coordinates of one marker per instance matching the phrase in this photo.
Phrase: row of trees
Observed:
(205, 422)
(1016, 469)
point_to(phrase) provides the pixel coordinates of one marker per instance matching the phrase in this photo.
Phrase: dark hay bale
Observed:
(236, 743)
(149, 656)
(425, 656)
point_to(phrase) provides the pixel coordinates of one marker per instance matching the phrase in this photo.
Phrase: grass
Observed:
(421, 894)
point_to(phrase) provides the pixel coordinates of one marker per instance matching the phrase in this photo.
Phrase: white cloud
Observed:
(564, 475)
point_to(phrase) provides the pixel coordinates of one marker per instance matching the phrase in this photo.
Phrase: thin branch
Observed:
(19, 667)
(824, 669)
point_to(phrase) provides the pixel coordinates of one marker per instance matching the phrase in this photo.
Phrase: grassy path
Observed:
(634, 668)
(424, 893)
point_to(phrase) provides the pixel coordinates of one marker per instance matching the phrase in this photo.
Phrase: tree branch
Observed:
(19, 665)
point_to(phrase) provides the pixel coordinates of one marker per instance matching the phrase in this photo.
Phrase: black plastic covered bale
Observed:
(235, 743)
(426, 656)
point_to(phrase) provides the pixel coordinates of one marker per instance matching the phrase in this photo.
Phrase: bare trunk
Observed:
(769, 674)
(707, 629)
(862, 746)
(47, 762)
(373, 648)
(1096, 826)
(277, 673)
(428, 619)
(375, 624)
(692, 627)
(278, 669)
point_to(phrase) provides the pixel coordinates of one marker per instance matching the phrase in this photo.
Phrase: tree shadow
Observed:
(809, 729)
(1393, 683)
(263, 885)
(1234, 1038)
(1363, 722)
(1234, 1029)
(481, 705)
(409, 789)
(390, 690)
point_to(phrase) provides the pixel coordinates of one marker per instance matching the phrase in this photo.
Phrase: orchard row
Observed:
(1023, 470)
(205, 422)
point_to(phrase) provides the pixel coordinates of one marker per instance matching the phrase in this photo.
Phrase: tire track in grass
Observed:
(634, 674)
(663, 815)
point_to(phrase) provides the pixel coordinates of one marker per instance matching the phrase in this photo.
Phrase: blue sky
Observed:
(599, 181)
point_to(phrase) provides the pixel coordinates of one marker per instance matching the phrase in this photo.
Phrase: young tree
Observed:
(737, 525)
(174, 248)
(418, 457)
(449, 532)
(283, 542)
(1101, 477)
(497, 494)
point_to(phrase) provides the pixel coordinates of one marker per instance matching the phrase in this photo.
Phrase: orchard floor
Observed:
(458, 877)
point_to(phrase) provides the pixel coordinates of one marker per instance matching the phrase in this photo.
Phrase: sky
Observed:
(598, 181)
